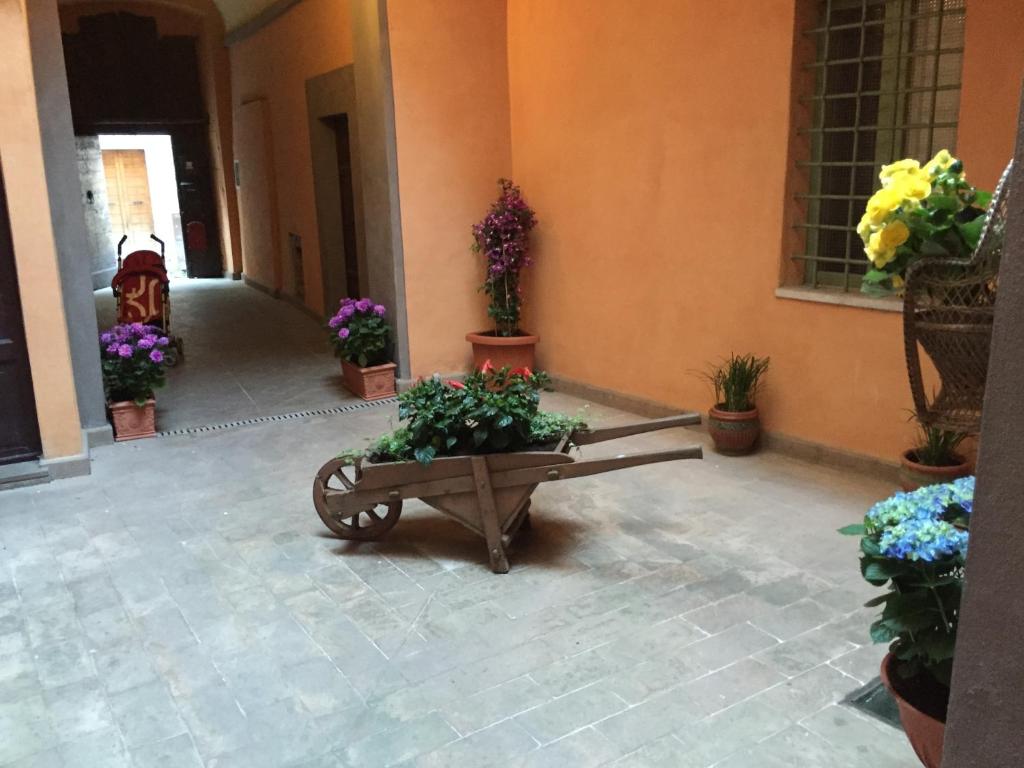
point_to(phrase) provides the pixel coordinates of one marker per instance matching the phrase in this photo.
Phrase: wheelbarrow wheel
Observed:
(337, 477)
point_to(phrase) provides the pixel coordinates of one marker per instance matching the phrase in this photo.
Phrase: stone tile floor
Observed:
(183, 607)
(246, 355)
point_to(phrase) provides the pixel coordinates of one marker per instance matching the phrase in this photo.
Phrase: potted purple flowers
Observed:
(503, 238)
(361, 338)
(133, 361)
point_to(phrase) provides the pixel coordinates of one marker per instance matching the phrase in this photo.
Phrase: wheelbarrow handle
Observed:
(590, 436)
(582, 468)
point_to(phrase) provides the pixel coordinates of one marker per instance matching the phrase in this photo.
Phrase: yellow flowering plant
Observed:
(919, 212)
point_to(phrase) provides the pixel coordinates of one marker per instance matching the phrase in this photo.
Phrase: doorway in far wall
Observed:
(337, 185)
(142, 194)
(343, 146)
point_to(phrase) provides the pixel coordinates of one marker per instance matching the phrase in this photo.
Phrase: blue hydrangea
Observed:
(911, 525)
(926, 540)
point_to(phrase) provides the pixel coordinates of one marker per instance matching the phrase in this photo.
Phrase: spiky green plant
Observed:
(736, 381)
(937, 447)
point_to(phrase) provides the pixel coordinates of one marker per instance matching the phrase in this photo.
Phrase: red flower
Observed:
(525, 372)
(454, 383)
(487, 367)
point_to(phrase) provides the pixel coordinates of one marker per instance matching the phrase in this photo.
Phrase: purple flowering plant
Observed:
(503, 238)
(133, 358)
(359, 332)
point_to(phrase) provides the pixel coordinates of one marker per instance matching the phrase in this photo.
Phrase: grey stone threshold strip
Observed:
(336, 410)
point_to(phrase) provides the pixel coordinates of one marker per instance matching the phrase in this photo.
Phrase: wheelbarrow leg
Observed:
(489, 515)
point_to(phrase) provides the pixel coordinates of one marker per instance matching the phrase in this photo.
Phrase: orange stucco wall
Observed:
(448, 66)
(35, 253)
(654, 147)
(273, 64)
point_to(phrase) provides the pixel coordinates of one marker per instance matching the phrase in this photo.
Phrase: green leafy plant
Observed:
(915, 545)
(736, 381)
(550, 427)
(937, 447)
(489, 411)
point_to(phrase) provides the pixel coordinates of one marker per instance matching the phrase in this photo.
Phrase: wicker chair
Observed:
(948, 309)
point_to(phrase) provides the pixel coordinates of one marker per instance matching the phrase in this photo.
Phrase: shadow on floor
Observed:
(550, 542)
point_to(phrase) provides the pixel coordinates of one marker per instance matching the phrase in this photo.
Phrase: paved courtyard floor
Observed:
(247, 355)
(184, 606)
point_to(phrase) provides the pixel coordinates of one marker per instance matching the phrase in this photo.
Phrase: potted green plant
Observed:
(934, 460)
(490, 410)
(503, 238)
(133, 360)
(733, 421)
(915, 545)
(361, 337)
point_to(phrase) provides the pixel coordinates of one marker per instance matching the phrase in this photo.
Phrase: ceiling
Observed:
(237, 12)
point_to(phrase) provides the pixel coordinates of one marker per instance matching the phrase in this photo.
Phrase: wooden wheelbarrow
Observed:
(489, 494)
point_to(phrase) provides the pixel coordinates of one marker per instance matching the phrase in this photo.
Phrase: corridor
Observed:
(246, 355)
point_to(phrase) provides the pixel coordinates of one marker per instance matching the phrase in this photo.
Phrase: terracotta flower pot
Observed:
(132, 421)
(374, 383)
(924, 732)
(513, 351)
(734, 432)
(914, 475)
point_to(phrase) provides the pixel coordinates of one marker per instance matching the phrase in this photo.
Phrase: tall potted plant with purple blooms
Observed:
(361, 337)
(503, 237)
(133, 359)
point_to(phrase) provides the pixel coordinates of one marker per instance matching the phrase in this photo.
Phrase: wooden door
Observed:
(19, 430)
(131, 209)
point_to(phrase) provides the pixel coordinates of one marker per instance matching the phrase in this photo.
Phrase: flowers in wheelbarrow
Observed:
(915, 544)
(133, 361)
(359, 333)
(489, 411)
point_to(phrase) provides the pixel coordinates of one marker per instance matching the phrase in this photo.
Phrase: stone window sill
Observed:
(839, 298)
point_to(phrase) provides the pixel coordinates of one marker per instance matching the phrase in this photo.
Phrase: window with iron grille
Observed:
(887, 86)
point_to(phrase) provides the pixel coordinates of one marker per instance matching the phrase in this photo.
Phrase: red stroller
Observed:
(142, 291)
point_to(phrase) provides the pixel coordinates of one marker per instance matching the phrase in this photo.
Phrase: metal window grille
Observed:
(887, 86)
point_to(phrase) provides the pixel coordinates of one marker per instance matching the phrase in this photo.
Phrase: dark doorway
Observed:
(348, 208)
(124, 77)
(19, 430)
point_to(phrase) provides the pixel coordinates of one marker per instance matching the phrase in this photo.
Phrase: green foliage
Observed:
(736, 381)
(393, 446)
(937, 447)
(488, 412)
(549, 427)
